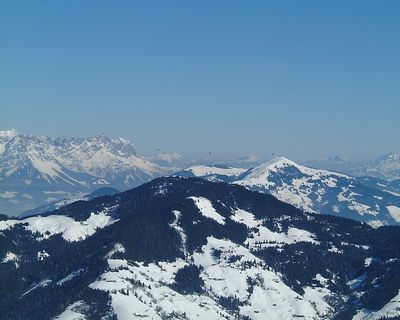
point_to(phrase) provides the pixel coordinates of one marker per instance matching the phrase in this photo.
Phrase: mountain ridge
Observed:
(31, 165)
(188, 248)
(315, 190)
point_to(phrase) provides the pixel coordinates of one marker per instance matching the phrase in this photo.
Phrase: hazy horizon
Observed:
(307, 80)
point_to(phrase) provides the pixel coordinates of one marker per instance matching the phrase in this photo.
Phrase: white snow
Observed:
(346, 195)
(323, 281)
(245, 217)
(361, 208)
(7, 224)
(175, 225)
(394, 212)
(9, 134)
(70, 276)
(41, 255)
(356, 282)
(141, 291)
(75, 161)
(264, 237)
(8, 194)
(11, 257)
(69, 229)
(375, 223)
(72, 312)
(206, 170)
(207, 210)
(260, 174)
(270, 297)
(368, 261)
(318, 297)
(42, 283)
(309, 189)
(118, 247)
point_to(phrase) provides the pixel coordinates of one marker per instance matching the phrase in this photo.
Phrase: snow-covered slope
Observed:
(322, 191)
(214, 173)
(182, 248)
(35, 170)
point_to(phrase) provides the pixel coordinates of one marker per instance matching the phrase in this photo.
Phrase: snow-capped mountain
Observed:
(386, 167)
(314, 190)
(182, 248)
(335, 163)
(35, 170)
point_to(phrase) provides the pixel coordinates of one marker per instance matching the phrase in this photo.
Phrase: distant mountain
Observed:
(55, 205)
(171, 160)
(335, 163)
(386, 167)
(314, 190)
(246, 162)
(35, 170)
(182, 248)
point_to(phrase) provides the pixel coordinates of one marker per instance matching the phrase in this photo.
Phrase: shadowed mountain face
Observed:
(314, 190)
(39, 170)
(182, 248)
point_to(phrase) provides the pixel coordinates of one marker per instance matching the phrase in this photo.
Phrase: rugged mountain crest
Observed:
(35, 170)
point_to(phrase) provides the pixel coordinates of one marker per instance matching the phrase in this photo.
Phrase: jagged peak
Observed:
(390, 156)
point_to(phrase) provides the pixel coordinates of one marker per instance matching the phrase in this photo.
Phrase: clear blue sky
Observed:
(306, 79)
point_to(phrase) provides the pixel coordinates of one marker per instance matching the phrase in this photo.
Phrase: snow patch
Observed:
(41, 255)
(11, 257)
(394, 212)
(174, 225)
(262, 237)
(70, 277)
(204, 170)
(207, 210)
(69, 229)
(8, 195)
(141, 290)
(72, 312)
(43, 283)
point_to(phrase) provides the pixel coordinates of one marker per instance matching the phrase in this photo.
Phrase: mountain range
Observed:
(311, 190)
(40, 174)
(386, 166)
(187, 248)
(35, 170)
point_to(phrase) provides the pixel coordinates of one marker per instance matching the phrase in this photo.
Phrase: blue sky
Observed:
(306, 79)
